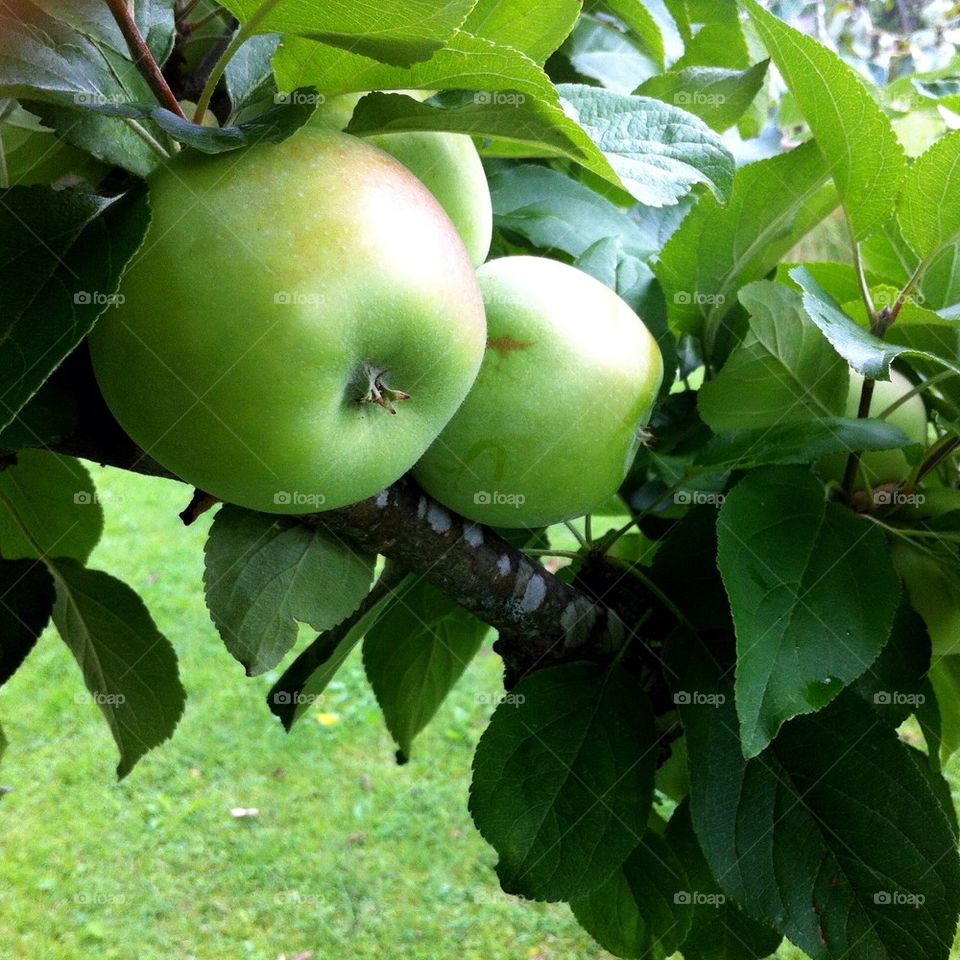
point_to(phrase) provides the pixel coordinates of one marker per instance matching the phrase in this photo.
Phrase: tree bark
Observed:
(541, 619)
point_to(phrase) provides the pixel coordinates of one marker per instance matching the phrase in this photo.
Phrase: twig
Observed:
(142, 57)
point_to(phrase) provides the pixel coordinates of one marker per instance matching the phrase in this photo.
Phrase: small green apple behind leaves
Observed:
(553, 421)
(301, 322)
(450, 168)
(934, 589)
(446, 163)
(881, 466)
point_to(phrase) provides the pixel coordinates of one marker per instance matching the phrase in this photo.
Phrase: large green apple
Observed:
(287, 298)
(882, 466)
(553, 421)
(447, 163)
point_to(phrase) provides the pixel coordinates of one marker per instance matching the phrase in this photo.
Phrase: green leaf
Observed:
(928, 212)
(644, 908)
(865, 158)
(863, 351)
(896, 682)
(129, 667)
(60, 73)
(26, 602)
(61, 254)
(48, 508)
(533, 120)
(265, 574)
(415, 653)
(556, 212)
(249, 74)
(718, 96)
(887, 255)
(813, 593)
(93, 19)
(716, 35)
(685, 570)
(832, 835)
(534, 27)
(467, 62)
(304, 681)
(398, 33)
(600, 50)
(797, 442)
(716, 250)
(563, 779)
(719, 930)
(641, 22)
(275, 124)
(784, 368)
(658, 151)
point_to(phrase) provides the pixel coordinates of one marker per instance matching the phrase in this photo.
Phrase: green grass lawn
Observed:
(350, 854)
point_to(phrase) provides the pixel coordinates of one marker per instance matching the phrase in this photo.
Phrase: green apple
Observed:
(554, 419)
(882, 466)
(300, 323)
(449, 166)
(934, 591)
(447, 163)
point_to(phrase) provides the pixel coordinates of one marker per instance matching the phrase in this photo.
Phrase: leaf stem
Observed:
(147, 137)
(580, 537)
(142, 57)
(239, 38)
(864, 286)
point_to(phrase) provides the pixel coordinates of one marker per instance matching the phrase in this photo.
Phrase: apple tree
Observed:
(623, 333)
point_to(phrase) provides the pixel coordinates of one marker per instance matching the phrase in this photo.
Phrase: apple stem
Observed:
(378, 392)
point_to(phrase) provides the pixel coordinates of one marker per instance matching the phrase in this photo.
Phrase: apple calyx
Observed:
(378, 392)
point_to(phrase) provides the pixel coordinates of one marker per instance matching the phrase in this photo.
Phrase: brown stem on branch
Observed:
(142, 57)
(199, 504)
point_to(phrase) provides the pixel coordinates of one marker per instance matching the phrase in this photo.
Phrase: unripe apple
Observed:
(881, 466)
(554, 419)
(446, 163)
(300, 323)
(934, 593)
